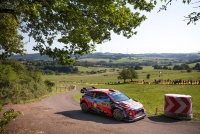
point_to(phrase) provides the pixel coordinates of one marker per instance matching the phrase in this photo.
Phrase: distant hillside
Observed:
(186, 57)
(35, 56)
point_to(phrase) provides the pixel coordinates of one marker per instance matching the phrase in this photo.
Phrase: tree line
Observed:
(179, 67)
(54, 67)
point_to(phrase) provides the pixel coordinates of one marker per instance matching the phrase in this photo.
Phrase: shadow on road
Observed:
(163, 119)
(79, 115)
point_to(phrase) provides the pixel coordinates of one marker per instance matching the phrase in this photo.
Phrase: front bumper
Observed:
(134, 117)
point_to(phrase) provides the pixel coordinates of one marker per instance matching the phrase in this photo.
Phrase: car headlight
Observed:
(130, 112)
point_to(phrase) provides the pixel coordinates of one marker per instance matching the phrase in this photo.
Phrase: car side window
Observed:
(101, 96)
(90, 94)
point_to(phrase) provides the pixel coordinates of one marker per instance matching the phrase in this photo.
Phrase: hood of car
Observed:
(131, 104)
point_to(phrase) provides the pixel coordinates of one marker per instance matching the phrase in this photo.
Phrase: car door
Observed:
(91, 97)
(103, 103)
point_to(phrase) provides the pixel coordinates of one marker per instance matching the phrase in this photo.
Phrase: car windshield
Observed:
(118, 96)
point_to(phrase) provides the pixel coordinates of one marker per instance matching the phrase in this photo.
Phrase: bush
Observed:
(8, 77)
(20, 85)
(7, 117)
(49, 84)
(148, 76)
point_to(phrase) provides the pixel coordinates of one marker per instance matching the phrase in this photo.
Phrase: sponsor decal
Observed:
(105, 104)
(94, 104)
(134, 103)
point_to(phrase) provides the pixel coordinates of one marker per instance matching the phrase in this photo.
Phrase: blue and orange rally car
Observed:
(112, 103)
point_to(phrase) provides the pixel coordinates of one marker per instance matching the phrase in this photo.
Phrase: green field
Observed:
(111, 76)
(151, 95)
(93, 60)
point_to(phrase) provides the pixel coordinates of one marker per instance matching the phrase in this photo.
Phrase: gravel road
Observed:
(60, 114)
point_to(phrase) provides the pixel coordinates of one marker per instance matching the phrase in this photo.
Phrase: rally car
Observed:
(112, 103)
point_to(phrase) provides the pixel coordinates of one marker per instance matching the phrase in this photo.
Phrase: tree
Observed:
(10, 40)
(138, 67)
(128, 73)
(165, 67)
(157, 67)
(185, 66)
(176, 67)
(181, 67)
(192, 17)
(77, 24)
(134, 74)
(148, 76)
(124, 74)
(197, 66)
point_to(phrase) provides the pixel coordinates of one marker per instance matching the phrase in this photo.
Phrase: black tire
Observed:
(84, 107)
(118, 114)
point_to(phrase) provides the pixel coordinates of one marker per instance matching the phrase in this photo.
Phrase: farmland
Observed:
(111, 75)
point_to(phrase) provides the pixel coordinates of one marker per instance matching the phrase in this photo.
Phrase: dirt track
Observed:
(60, 114)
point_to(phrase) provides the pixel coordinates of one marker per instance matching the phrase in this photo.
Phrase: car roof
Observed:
(107, 91)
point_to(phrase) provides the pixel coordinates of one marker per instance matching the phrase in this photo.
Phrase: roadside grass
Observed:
(152, 96)
(54, 91)
(77, 97)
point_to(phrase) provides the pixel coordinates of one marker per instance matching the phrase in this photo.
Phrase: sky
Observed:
(163, 32)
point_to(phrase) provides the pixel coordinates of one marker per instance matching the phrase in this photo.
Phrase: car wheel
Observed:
(118, 115)
(84, 107)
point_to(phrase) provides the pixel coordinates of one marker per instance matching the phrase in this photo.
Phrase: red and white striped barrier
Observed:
(178, 106)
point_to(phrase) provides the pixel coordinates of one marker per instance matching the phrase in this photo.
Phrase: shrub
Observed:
(7, 117)
(49, 84)
(8, 76)
(148, 76)
(20, 85)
